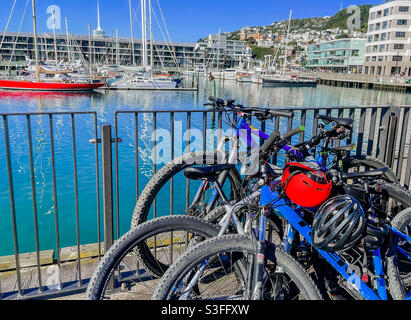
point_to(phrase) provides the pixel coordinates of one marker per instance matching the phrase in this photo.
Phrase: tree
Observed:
(342, 36)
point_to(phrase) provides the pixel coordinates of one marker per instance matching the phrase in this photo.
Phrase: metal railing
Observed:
(383, 132)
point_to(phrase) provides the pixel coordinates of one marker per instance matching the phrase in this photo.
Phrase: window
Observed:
(368, 59)
(382, 47)
(386, 12)
(385, 24)
(374, 58)
(369, 38)
(369, 48)
(383, 36)
(381, 58)
(396, 58)
(398, 46)
(401, 22)
(371, 28)
(377, 26)
(376, 37)
(375, 48)
(400, 34)
(403, 9)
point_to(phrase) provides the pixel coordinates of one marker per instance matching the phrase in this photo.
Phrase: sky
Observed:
(187, 20)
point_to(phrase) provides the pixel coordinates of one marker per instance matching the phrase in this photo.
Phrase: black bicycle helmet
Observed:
(338, 224)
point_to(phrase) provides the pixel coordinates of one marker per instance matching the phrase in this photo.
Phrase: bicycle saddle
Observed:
(344, 122)
(208, 172)
(348, 147)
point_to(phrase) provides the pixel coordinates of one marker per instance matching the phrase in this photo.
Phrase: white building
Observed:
(388, 49)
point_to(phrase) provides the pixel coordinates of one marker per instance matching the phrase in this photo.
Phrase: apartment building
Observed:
(217, 51)
(105, 50)
(388, 48)
(341, 55)
(109, 50)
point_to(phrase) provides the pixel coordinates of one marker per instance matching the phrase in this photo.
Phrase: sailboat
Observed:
(142, 80)
(46, 79)
(283, 80)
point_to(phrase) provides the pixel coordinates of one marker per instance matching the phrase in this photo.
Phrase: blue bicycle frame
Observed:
(297, 223)
(244, 131)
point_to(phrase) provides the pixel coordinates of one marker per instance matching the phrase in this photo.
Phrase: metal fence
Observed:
(383, 132)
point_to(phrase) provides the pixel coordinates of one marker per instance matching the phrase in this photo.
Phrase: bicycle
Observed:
(123, 259)
(199, 206)
(186, 278)
(338, 129)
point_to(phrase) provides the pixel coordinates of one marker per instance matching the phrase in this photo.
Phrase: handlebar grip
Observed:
(293, 132)
(216, 100)
(281, 113)
(269, 142)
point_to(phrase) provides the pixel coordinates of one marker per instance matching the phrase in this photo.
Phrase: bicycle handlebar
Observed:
(293, 132)
(258, 112)
(276, 137)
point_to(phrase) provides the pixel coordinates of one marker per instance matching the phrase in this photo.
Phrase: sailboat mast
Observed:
(132, 33)
(68, 42)
(90, 52)
(151, 41)
(286, 42)
(144, 31)
(218, 49)
(36, 53)
(54, 38)
(117, 48)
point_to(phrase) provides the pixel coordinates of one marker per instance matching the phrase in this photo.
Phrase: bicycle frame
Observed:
(245, 132)
(297, 223)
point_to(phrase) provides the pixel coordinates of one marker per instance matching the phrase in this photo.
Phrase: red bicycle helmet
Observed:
(305, 186)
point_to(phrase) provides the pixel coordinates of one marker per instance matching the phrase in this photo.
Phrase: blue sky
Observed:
(187, 20)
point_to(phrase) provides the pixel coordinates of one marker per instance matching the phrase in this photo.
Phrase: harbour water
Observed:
(105, 103)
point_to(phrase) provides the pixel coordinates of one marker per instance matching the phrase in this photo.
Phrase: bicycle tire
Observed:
(153, 187)
(395, 283)
(113, 257)
(373, 163)
(227, 243)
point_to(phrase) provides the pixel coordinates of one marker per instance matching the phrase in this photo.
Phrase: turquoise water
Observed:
(105, 104)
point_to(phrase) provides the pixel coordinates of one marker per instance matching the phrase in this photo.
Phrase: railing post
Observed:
(107, 175)
(391, 138)
(107, 172)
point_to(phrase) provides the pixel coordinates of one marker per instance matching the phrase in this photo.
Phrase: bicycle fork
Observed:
(259, 263)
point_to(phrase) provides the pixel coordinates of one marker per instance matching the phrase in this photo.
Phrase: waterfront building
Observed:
(216, 51)
(109, 50)
(388, 49)
(341, 55)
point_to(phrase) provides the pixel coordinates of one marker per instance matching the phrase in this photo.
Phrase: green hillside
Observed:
(339, 20)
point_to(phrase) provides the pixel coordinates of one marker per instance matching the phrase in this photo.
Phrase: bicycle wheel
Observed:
(388, 199)
(225, 261)
(165, 238)
(365, 163)
(398, 264)
(173, 170)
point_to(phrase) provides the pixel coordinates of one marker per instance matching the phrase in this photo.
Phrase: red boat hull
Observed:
(48, 86)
